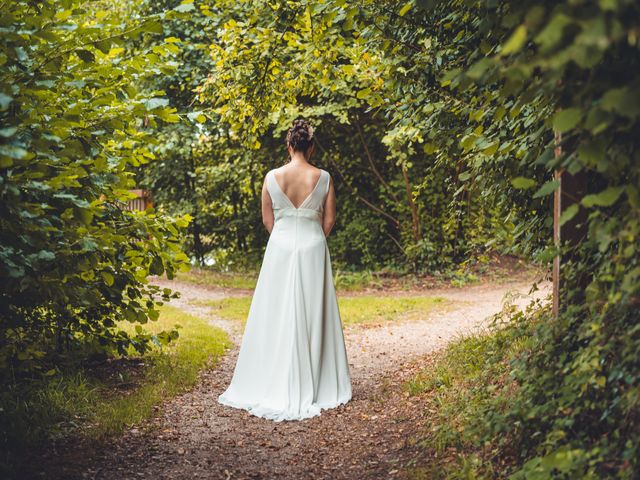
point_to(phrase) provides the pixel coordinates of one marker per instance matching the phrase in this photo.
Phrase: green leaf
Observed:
(468, 141)
(479, 68)
(491, 149)
(624, 101)
(569, 213)
(104, 46)
(8, 132)
(566, 119)
(5, 101)
(523, 183)
(156, 267)
(85, 55)
(606, 198)
(156, 102)
(108, 278)
(551, 35)
(592, 152)
(88, 245)
(515, 42)
(46, 255)
(10, 151)
(185, 7)
(197, 117)
(547, 188)
(364, 93)
(464, 176)
(168, 114)
(85, 215)
(405, 9)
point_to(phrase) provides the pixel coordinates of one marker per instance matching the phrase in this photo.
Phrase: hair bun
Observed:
(300, 135)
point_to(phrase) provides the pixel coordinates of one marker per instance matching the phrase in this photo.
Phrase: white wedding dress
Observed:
(292, 361)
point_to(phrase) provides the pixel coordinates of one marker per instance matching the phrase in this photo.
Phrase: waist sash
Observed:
(298, 212)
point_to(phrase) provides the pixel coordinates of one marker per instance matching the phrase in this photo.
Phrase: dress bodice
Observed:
(313, 205)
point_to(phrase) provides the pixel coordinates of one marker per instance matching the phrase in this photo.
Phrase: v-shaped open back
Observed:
(314, 200)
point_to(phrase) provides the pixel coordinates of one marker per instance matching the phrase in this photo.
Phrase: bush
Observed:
(75, 121)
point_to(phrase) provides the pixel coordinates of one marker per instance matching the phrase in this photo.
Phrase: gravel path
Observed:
(375, 351)
(192, 436)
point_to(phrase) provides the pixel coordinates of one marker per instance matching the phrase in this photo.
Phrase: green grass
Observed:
(346, 281)
(493, 269)
(205, 277)
(108, 397)
(353, 310)
(455, 387)
(199, 345)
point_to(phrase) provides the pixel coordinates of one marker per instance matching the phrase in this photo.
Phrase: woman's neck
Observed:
(298, 158)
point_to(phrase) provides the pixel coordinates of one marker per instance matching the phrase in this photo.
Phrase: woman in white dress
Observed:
(292, 361)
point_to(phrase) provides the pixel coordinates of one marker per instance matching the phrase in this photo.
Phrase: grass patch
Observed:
(212, 278)
(456, 387)
(484, 268)
(199, 345)
(370, 309)
(345, 281)
(353, 310)
(92, 401)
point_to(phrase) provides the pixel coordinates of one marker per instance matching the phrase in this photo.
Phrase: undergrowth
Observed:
(103, 397)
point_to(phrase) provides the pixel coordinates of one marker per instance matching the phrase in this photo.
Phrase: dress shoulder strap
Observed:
(327, 182)
(270, 186)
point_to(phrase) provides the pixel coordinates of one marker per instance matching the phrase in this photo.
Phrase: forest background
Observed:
(438, 120)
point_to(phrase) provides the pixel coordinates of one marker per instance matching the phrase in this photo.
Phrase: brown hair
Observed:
(300, 135)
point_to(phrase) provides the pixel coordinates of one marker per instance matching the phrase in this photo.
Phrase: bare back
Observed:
(297, 181)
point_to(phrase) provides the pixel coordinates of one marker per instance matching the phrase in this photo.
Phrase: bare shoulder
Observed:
(315, 171)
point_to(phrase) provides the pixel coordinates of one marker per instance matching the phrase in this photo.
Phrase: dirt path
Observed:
(194, 437)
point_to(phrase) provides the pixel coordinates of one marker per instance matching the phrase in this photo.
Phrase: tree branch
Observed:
(395, 221)
(375, 171)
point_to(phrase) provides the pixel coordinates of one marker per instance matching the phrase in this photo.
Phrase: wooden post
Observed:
(571, 190)
(557, 208)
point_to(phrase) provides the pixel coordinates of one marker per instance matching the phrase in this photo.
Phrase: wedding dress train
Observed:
(292, 361)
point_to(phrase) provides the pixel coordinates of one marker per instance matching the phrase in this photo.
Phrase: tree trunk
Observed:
(571, 190)
(415, 219)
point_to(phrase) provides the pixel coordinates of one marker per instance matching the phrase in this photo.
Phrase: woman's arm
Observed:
(329, 217)
(267, 207)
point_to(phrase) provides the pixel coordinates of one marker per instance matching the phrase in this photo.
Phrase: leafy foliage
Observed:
(408, 197)
(75, 122)
(439, 121)
(566, 66)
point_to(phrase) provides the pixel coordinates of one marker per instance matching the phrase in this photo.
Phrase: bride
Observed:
(292, 361)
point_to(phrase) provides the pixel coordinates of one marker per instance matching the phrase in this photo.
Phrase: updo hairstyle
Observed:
(300, 135)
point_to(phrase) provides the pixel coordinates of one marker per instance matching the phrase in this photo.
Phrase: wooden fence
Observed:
(141, 202)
